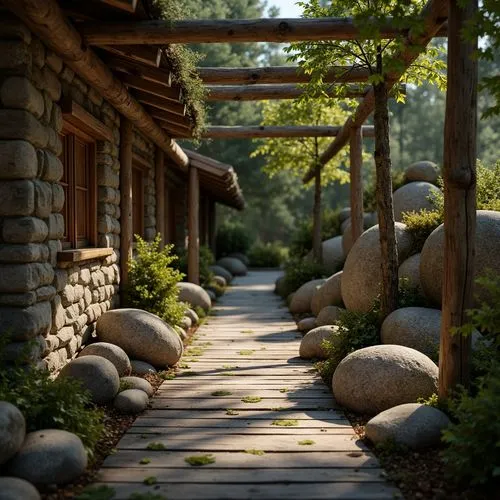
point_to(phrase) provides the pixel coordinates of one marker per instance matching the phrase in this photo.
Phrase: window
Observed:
(137, 201)
(79, 184)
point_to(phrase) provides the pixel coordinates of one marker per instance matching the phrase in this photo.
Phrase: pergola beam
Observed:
(128, 5)
(434, 16)
(278, 74)
(226, 31)
(252, 132)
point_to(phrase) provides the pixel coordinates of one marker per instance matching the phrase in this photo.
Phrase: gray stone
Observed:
(360, 283)
(234, 266)
(311, 346)
(138, 383)
(19, 93)
(219, 281)
(24, 230)
(49, 456)
(15, 488)
(57, 198)
(329, 315)
(12, 431)
(306, 324)
(409, 272)
(192, 316)
(45, 293)
(327, 294)
(18, 299)
(369, 220)
(65, 335)
(181, 332)
(25, 352)
(18, 160)
(194, 295)
(413, 425)
(97, 375)
(26, 323)
(52, 168)
(141, 335)
(16, 57)
(52, 85)
(221, 271)
(301, 300)
(131, 401)
(344, 214)
(112, 353)
(43, 202)
(30, 252)
(332, 255)
(186, 323)
(211, 294)
(54, 62)
(18, 197)
(487, 257)
(413, 197)
(425, 171)
(373, 379)
(21, 124)
(24, 277)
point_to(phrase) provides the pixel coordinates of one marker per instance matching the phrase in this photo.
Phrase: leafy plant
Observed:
(206, 260)
(421, 224)
(267, 254)
(232, 237)
(145, 461)
(153, 281)
(298, 272)
(150, 480)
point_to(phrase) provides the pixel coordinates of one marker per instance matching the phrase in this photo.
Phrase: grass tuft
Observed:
(286, 423)
(251, 399)
(199, 460)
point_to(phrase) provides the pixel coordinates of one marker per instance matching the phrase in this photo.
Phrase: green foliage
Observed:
(206, 260)
(153, 281)
(155, 446)
(286, 423)
(232, 237)
(299, 271)
(259, 453)
(199, 460)
(200, 312)
(103, 492)
(251, 399)
(306, 442)
(48, 403)
(267, 254)
(421, 224)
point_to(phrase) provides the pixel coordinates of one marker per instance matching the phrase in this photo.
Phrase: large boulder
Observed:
(369, 220)
(112, 353)
(306, 324)
(328, 294)
(379, 377)
(409, 271)
(222, 271)
(426, 171)
(311, 346)
(344, 214)
(194, 295)
(329, 315)
(137, 383)
(362, 276)
(487, 256)
(301, 300)
(15, 488)
(332, 255)
(413, 425)
(141, 335)
(240, 256)
(49, 456)
(96, 374)
(12, 430)
(415, 327)
(234, 266)
(131, 401)
(413, 197)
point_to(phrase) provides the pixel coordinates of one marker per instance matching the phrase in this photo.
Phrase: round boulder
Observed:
(192, 316)
(112, 353)
(362, 276)
(50, 456)
(131, 401)
(311, 345)
(344, 214)
(221, 271)
(426, 171)
(194, 295)
(211, 294)
(137, 383)
(332, 254)
(15, 488)
(240, 256)
(220, 281)
(329, 315)
(234, 266)
(327, 294)
(96, 374)
(369, 220)
(142, 368)
(186, 323)
(413, 197)
(181, 332)
(487, 256)
(413, 425)
(301, 300)
(409, 271)
(12, 430)
(306, 324)
(379, 377)
(141, 335)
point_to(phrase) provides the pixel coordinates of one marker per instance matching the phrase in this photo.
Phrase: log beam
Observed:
(171, 93)
(459, 169)
(158, 102)
(277, 75)
(151, 56)
(160, 194)
(226, 31)
(193, 226)
(128, 5)
(45, 18)
(257, 131)
(356, 178)
(156, 75)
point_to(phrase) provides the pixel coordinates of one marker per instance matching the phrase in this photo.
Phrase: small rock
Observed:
(141, 367)
(328, 294)
(186, 323)
(311, 346)
(409, 271)
(222, 271)
(329, 315)
(181, 332)
(97, 375)
(50, 456)
(240, 256)
(112, 353)
(220, 281)
(12, 430)
(212, 295)
(131, 401)
(306, 324)
(14, 488)
(413, 425)
(138, 383)
(426, 171)
(234, 266)
(301, 300)
(192, 316)
(194, 295)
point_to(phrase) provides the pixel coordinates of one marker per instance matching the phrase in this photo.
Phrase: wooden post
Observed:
(193, 226)
(160, 194)
(317, 242)
(356, 176)
(126, 236)
(459, 168)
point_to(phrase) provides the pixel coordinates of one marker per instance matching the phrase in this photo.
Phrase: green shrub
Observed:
(153, 281)
(267, 254)
(299, 271)
(206, 260)
(232, 237)
(421, 224)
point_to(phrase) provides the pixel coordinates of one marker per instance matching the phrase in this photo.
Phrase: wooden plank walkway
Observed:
(247, 400)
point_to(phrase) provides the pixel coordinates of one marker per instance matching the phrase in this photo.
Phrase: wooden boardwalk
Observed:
(245, 399)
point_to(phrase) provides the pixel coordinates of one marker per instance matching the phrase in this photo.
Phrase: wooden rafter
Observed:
(434, 15)
(170, 118)
(142, 54)
(128, 5)
(157, 75)
(226, 30)
(249, 132)
(157, 102)
(278, 74)
(136, 82)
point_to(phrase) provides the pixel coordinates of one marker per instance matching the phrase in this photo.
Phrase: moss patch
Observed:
(199, 460)
(286, 423)
(251, 399)
(155, 446)
(255, 452)
(221, 393)
(306, 442)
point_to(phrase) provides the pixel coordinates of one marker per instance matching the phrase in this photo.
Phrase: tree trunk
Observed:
(317, 250)
(459, 169)
(385, 211)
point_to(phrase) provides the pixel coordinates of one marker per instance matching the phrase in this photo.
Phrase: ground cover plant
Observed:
(232, 237)
(206, 260)
(267, 254)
